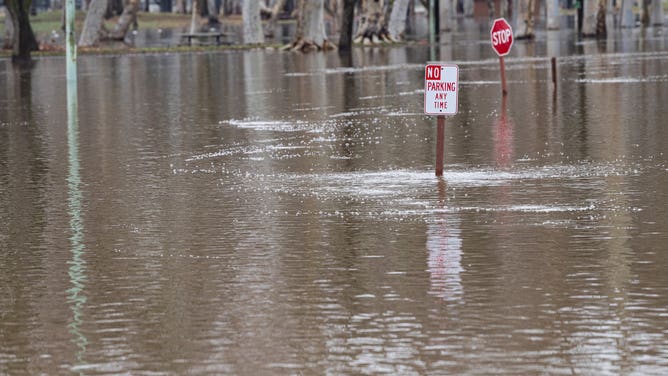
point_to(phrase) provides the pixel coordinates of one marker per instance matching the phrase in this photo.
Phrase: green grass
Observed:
(45, 22)
(145, 50)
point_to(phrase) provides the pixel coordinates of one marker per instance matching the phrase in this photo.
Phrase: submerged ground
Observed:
(262, 212)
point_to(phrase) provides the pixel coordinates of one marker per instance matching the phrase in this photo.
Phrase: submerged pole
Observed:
(554, 72)
(70, 45)
(440, 144)
(502, 67)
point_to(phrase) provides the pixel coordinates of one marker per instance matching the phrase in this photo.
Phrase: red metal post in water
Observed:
(440, 144)
(502, 67)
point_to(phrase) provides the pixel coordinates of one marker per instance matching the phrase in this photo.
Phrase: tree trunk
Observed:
(372, 27)
(628, 20)
(644, 18)
(505, 8)
(491, 9)
(181, 7)
(270, 30)
(347, 21)
(9, 33)
(468, 8)
(397, 24)
(193, 17)
(228, 7)
(553, 14)
(114, 8)
(166, 6)
(526, 13)
(657, 13)
(601, 28)
(446, 15)
(331, 11)
(129, 17)
(252, 23)
(213, 12)
(589, 18)
(93, 24)
(24, 39)
(593, 24)
(310, 33)
(202, 8)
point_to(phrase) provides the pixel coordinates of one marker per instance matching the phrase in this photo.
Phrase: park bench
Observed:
(205, 38)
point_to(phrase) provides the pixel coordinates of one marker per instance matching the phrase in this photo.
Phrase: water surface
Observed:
(263, 212)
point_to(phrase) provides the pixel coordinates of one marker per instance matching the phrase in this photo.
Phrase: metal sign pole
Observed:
(440, 144)
(502, 68)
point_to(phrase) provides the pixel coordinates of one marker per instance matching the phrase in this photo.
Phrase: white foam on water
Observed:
(406, 114)
(478, 83)
(530, 208)
(623, 80)
(286, 147)
(231, 150)
(405, 182)
(272, 125)
(345, 114)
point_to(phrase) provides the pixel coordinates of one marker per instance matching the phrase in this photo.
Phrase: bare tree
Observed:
(627, 13)
(115, 7)
(9, 34)
(373, 23)
(180, 7)
(553, 14)
(252, 23)
(93, 28)
(212, 12)
(270, 29)
(310, 33)
(601, 27)
(447, 12)
(397, 24)
(128, 18)
(657, 16)
(526, 21)
(593, 23)
(346, 35)
(468, 8)
(644, 12)
(24, 39)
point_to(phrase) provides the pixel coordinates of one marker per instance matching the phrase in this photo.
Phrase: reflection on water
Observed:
(268, 213)
(77, 264)
(444, 244)
(503, 137)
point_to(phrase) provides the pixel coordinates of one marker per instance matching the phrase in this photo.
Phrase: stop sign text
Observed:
(502, 36)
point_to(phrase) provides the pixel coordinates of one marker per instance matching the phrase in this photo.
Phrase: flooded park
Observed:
(264, 212)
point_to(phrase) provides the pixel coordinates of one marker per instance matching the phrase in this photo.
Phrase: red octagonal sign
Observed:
(502, 36)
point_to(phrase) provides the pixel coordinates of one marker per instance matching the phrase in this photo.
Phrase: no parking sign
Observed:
(441, 89)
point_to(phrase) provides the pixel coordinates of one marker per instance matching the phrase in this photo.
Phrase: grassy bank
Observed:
(47, 22)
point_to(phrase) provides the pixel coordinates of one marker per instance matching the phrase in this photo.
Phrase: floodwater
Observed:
(273, 213)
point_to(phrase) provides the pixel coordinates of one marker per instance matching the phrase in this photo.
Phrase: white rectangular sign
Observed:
(441, 89)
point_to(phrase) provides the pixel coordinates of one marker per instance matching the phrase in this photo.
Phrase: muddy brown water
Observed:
(270, 213)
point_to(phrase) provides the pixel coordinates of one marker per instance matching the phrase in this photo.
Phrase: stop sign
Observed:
(502, 36)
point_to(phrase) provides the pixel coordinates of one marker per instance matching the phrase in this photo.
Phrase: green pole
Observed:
(77, 270)
(432, 22)
(70, 45)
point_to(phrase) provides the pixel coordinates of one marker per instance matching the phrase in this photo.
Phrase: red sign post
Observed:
(501, 35)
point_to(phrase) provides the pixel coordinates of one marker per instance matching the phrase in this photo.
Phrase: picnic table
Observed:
(205, 38)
